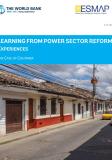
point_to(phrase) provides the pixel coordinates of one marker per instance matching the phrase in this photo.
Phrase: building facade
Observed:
(25, 104)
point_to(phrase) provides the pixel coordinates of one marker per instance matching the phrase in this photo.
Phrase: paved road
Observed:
(89, 140)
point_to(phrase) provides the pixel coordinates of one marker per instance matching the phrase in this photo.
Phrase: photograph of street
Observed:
(56, 112)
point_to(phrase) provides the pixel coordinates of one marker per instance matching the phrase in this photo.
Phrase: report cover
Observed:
(55, 80)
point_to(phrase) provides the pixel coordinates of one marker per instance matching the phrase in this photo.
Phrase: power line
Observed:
(34, 71)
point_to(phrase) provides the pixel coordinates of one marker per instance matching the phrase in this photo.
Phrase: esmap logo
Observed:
(2, 9)
(91, 9)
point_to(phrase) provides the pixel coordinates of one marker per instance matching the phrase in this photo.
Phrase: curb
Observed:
(42, 131)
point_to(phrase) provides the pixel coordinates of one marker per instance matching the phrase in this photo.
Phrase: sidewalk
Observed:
(24, 134)
(98, 116)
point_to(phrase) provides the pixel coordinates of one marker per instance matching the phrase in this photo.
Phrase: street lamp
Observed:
(94, 82)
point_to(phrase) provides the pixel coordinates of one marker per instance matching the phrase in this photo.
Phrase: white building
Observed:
(25, 104)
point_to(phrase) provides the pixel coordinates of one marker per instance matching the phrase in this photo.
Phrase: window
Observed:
(87, 106)
(53, 106)
(42, 106)
(101, 107)
(79, 108)
(98, 106)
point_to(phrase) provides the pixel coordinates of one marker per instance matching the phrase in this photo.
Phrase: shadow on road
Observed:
(98, 147)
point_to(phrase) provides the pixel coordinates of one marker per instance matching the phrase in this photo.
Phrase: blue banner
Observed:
(55, 49)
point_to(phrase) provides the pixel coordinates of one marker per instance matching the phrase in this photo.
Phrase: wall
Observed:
(48, 119)
(2, 116)
(26, 112)
(39, 121)
(86, 114)
(68, 108)
(48, 109)
(44, 120)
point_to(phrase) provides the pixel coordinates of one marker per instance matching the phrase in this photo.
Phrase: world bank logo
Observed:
(2, 9)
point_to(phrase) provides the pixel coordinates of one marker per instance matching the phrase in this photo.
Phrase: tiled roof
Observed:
(9, 79)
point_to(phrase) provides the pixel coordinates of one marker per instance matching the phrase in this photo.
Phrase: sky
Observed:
(80, 75)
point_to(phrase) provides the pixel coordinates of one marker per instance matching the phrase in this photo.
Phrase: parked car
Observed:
(107, 115)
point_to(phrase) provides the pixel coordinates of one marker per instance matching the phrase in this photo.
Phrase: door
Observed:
(13, 116)
(31, 120)
(82, 112)
(74, 111)
(91, 109)
(61, 112)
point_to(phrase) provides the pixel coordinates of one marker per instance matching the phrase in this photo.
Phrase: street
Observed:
(87, 140)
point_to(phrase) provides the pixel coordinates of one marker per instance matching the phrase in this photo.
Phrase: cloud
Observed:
(80, 75)
(38, 80)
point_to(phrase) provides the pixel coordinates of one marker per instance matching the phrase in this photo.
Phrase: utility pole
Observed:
(94, 81)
